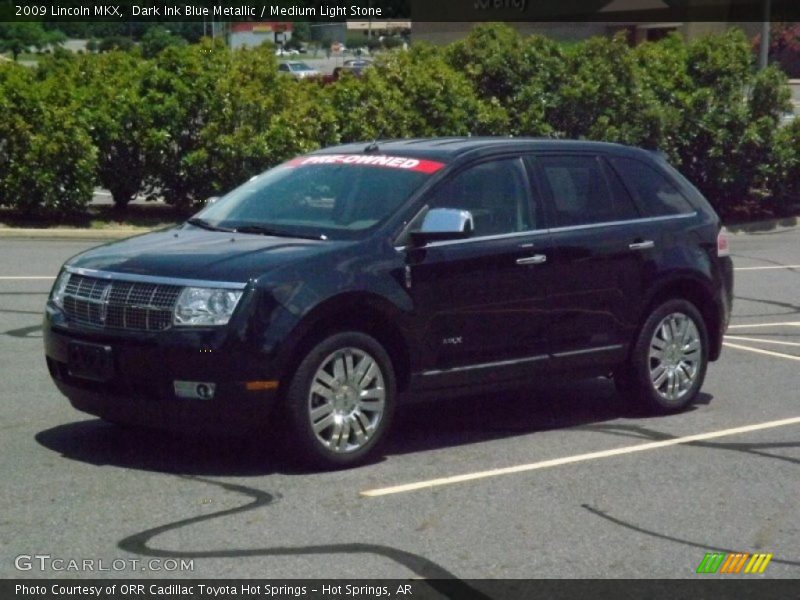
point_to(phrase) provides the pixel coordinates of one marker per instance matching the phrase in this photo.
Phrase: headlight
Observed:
(59, 287)
(203, 306)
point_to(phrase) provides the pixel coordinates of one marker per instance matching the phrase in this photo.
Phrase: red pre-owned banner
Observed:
(370, 160)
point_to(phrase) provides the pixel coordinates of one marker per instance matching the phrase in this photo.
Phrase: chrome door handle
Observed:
(646, 245)
(536, 259)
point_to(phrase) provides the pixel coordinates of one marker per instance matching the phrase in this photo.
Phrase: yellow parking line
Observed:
(767, 268)
(760, 351)
(760, 341)
(784, 324)
(556, 462)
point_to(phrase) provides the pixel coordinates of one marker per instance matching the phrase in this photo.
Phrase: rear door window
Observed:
(581, 192)
(653, 190)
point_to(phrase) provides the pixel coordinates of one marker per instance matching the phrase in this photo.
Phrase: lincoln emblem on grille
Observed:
(104, 302)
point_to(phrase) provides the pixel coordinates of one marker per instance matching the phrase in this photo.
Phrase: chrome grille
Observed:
(120, 304)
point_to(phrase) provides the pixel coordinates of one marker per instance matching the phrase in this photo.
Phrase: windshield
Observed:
(300, 67)
(321, 196)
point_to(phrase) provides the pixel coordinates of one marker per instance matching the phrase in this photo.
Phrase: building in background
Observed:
(447, 32)
(342, 30)
(248, 35)
(375, 28)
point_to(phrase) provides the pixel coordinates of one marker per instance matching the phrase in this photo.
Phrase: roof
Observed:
(450, 148)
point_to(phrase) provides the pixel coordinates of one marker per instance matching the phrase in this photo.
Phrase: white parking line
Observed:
(760, 351)
(9, 278)
(760, 341)
(785, 324)
(430, 483)
(766, 268)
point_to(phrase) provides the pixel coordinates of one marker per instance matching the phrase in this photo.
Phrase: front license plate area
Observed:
(90, 361)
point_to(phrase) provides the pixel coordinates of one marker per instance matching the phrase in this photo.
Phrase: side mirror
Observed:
(441, 224)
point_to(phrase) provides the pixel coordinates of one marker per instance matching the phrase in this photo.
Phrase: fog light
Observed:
(195, 390)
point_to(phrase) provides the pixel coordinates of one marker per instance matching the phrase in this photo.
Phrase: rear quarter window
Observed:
(579, 191)
(653, 191)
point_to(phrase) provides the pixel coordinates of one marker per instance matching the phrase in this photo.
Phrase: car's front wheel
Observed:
(341, 400)
(668, 363)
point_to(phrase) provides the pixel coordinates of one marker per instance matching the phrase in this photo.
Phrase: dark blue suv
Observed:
(319, 295)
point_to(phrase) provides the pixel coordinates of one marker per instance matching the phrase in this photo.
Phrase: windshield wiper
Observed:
(262, 230)
(203, 224)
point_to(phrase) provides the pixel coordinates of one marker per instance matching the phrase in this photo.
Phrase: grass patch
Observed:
(135, 217)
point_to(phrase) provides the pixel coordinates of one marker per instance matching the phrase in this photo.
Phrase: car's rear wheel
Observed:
(668, 363)
(341, 400)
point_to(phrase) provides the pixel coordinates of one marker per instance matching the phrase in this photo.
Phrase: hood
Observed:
(198, 254)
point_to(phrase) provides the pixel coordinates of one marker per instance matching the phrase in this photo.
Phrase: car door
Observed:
(482, 300)
(601, 248)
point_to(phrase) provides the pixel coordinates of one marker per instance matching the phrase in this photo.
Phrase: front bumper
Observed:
(145, 367)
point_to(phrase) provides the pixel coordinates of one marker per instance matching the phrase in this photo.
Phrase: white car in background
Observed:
(298, 69)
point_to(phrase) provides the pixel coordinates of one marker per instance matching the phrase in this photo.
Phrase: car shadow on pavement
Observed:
(545, 407)
(99, 443)
(418, 427)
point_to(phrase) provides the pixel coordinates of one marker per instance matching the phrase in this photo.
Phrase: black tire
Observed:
(305, 444)
(634, 381)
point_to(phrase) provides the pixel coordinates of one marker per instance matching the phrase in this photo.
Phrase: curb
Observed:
(71, 234)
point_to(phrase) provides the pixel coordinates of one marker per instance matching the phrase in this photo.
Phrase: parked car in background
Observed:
(356, 66)
(318, 296)
(353, 66)
(298, 70)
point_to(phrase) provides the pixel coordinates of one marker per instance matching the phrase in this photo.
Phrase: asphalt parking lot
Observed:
(561, 481)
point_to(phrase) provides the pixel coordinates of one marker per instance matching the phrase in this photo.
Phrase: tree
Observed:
(222, 116)
(412, 94)
(112, 99)
(301, 31)
(784, 48)
(601, 98)
(115, 42)
(519, 74)
(157, 39)
(47, 159)
(721, 118)
(18, 37)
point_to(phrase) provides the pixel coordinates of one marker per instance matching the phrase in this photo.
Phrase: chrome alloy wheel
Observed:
(347, 399)
(675, 356)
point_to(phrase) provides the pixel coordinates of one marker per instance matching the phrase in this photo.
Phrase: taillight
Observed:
(723, 249)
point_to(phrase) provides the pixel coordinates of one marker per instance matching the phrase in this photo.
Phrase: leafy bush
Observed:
(411, 94)
(17, 38)
(120, 121)
(720, 116)
(786, 159)
(219, 117)
(601, 97)
(392, 41)
(157, 39)
(193, 121)
(115, 42)
(511, 73)
(47, 159)
(180, 90)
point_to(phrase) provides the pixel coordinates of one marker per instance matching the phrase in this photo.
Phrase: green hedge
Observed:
(193, 121)
(47, 159)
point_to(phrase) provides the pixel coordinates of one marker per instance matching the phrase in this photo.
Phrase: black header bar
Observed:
(326, 11)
